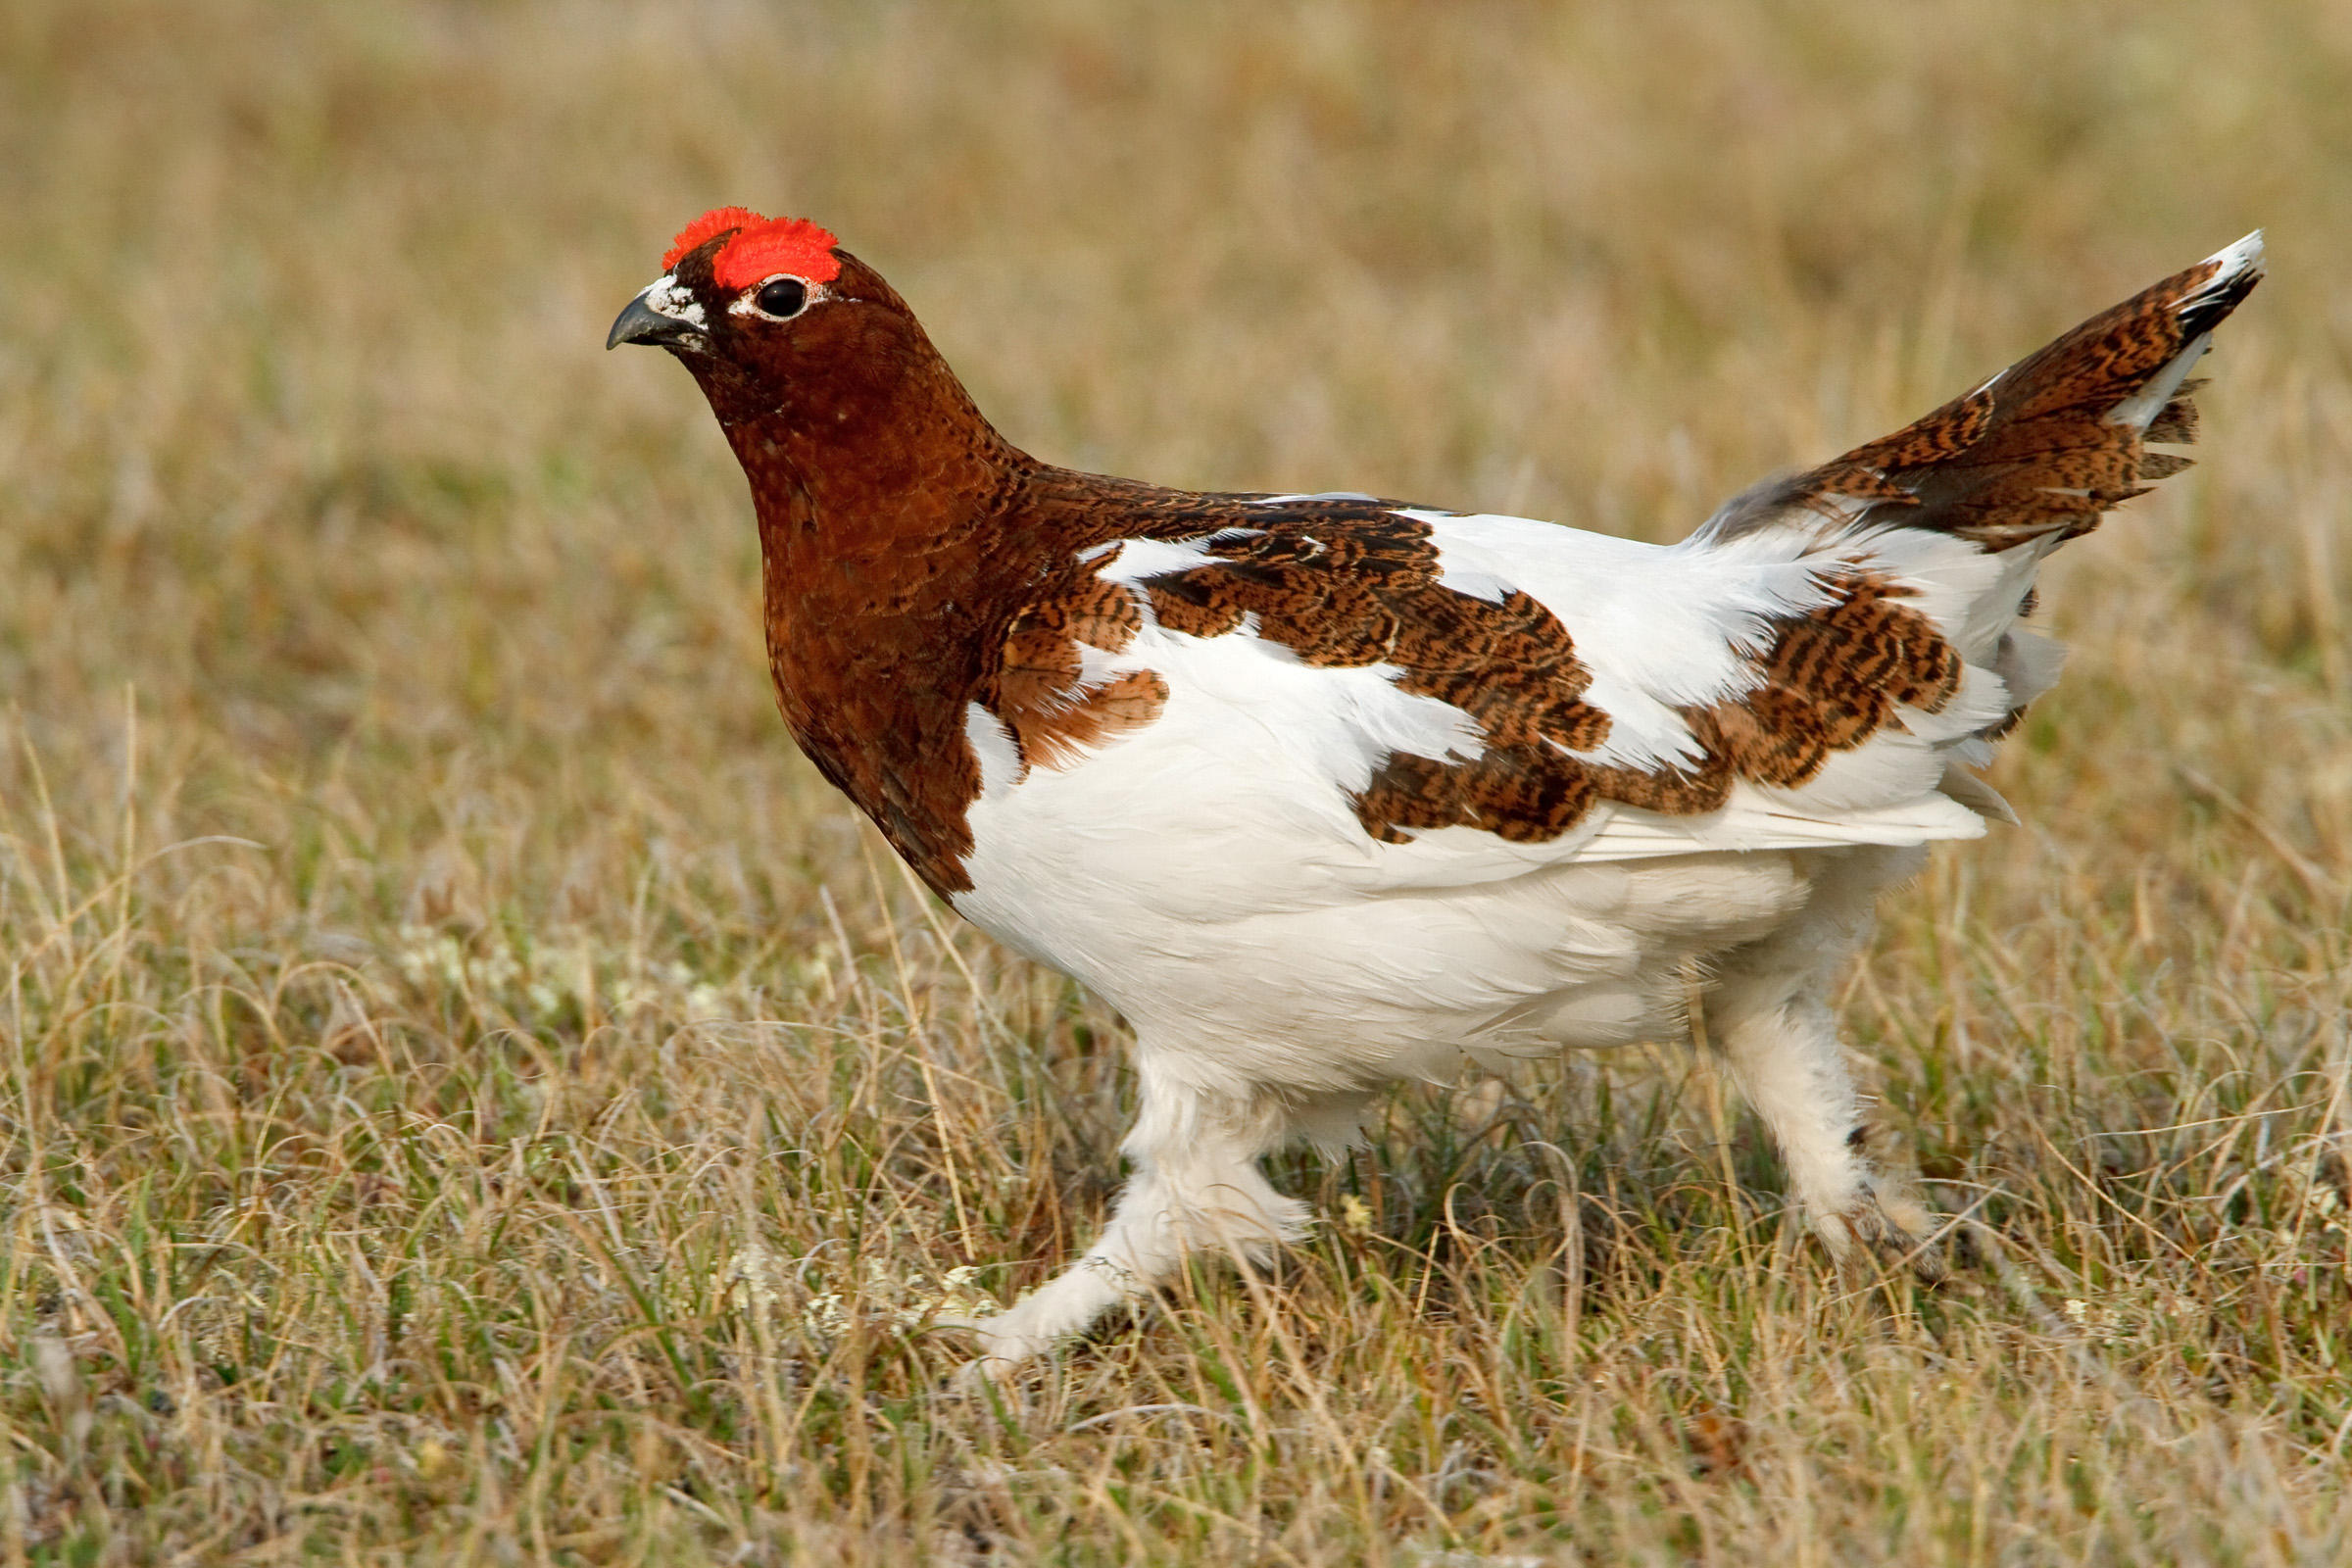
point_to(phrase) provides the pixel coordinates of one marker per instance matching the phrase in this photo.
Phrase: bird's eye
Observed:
(781, 297)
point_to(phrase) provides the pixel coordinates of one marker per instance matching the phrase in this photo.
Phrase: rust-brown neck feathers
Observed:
(881, 493)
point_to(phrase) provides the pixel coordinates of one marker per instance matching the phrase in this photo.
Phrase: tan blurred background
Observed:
(326, 526)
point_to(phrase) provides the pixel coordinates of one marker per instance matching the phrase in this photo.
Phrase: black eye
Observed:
(782, 297)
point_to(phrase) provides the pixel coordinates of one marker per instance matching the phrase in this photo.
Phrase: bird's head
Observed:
(823, 381)
(775, 322)
(735, 286)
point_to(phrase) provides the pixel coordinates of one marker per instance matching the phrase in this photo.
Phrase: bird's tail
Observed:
(1952, 515)
(2042, 449)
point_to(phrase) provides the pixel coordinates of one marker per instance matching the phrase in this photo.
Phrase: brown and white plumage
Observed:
(1327, 791)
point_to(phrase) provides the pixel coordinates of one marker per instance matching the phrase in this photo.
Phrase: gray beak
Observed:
(640, 323)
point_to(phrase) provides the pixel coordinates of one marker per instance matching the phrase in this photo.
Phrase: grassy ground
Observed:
(471, 1094)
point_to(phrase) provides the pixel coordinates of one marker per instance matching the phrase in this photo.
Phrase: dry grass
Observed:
(470, 1093)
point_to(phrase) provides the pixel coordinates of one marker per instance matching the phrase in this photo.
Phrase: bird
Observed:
(1324, 792)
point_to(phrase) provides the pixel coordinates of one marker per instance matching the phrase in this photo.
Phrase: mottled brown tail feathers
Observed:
(2044, 447)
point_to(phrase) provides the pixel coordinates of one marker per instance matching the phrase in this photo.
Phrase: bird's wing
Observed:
(1489, 694)
(1437, 697)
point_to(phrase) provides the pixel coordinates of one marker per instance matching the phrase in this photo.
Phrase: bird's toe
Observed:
(1886, 1225)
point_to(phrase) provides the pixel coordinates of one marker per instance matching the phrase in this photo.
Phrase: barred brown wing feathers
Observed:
(1346, 588)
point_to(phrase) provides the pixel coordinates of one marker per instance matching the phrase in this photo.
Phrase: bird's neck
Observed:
(887, 479)
(881, 501)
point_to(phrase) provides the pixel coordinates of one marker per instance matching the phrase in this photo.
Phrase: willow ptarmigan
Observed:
(1325, 791)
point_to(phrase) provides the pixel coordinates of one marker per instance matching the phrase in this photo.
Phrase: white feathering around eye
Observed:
(665, 296)
(743, 305)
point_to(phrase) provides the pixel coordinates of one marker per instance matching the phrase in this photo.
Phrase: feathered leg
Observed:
(1768, 1008)
(1194, 1186)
